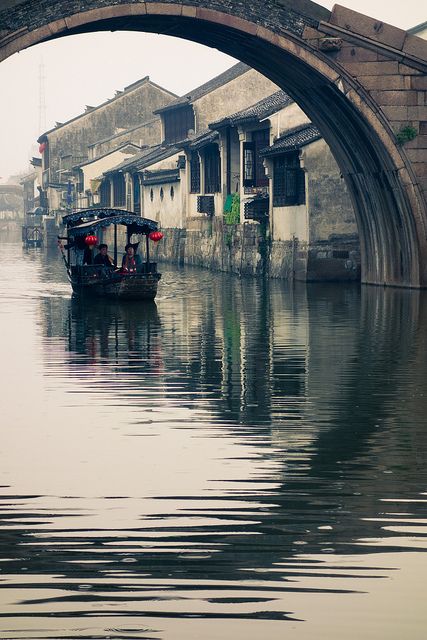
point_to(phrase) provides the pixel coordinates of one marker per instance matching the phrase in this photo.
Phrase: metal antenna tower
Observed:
(42, 99)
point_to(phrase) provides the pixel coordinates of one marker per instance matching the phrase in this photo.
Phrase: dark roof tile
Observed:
(227, 76)
(145, 158)
(257, 111)
(197, 142)
(293, 139)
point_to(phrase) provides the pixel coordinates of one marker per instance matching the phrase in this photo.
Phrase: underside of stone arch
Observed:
(286, 44)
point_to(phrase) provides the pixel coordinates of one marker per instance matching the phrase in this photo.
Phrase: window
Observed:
(212, 169)
(253, 168)
(105, 193)
(177, 123)
(172, 193)
(162, 195)
(288, 180)
(151, 195)
(80, 181)
(260, 139)
(248, 165)
(119, 190)
(136, 194)
(195, 173)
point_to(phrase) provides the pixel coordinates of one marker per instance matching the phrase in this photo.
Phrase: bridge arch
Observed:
(331, 64)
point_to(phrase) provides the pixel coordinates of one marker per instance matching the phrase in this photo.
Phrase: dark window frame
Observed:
(195, 174)
(119, 190)
(212, 169)
(288, 180)
(253, 168)
(177, 123)
(136, 193)
(248, 164)
(260, 139)
(105, 193)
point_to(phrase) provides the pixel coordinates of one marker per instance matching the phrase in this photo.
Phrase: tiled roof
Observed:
(294, 139)
(162, 176)
(199, 141)
(160, 152)
(118, 94)
(257, 111)
(417, 28)
(124, 132)
(146, 158)
(109, 153)
(228, 75)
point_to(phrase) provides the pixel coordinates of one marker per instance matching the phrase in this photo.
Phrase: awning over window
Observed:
(95, 183)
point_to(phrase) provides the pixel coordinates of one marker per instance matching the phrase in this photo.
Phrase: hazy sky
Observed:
(87, 69)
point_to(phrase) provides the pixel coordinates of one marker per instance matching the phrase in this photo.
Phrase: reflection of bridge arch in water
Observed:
(320, 464)
(341, 90)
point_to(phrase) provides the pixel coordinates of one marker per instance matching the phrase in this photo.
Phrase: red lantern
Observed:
(91, 241)
(42, 147)
(155, 236)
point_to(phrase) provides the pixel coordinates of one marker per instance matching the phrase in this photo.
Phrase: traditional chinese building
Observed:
(80, 139)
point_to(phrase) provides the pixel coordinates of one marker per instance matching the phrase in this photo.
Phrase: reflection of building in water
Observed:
(321, 381)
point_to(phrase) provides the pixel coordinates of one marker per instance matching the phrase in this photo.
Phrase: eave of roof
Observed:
(293, 140)
(108, 153)
(123, 133)
(118, 95)
(146, 158)
(199, 141)
(162, 176)
(417, 28)
(256, 112)
(223, 78)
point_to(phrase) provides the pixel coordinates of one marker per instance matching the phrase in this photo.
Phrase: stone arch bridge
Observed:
(362, 82)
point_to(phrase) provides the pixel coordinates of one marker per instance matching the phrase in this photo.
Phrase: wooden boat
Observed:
(99, 281)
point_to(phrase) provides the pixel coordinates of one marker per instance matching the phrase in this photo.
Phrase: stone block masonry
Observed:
(246, 250)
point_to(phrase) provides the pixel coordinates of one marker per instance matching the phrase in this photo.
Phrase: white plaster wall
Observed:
(38, 180)
(167, 163)
(248, 88)
(286, 119)
(192, 205)
(290, 221)
(54, 198)
(98, 167)
(168, 212)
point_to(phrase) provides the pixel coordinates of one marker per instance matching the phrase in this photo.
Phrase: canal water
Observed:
(242, 459)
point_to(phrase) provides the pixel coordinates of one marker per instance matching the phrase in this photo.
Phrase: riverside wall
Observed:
(248, 250)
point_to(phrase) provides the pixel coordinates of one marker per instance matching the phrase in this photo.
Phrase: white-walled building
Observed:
(90, 173)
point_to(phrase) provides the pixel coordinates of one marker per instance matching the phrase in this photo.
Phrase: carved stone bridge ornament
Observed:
(362, 82)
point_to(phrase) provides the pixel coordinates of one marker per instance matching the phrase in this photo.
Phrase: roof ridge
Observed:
(198, 92)
(118, 94)
(297, 129)
(251, 109)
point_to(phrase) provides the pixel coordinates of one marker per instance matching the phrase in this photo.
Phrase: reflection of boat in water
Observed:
(98, 280)
(103, 328)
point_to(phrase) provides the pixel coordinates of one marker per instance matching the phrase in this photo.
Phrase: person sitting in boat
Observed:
(131, 261)
(102, 257)
(88, 254)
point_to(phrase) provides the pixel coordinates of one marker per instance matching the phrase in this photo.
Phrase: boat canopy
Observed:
(135, 224)
(96, 213)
